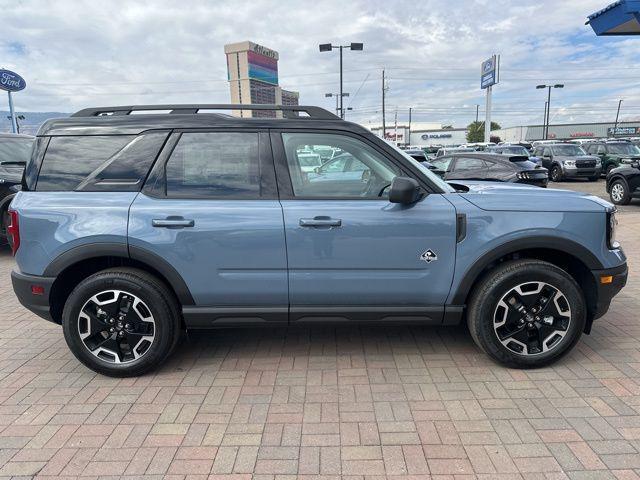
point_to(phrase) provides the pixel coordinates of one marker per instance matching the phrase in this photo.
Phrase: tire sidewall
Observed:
(164, 333)
(556, 173)
(486, 335)
(625, 198)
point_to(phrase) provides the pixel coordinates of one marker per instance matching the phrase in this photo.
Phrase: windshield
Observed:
(15, 149)
(623, 149)
(568, 150)
(432, 176)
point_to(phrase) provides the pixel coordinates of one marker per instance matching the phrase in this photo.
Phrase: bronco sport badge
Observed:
(429, 256)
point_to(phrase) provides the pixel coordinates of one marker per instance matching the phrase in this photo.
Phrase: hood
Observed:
(519, 197)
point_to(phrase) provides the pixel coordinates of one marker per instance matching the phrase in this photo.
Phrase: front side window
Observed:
(366, 173)
(214, 165)
(623, 149)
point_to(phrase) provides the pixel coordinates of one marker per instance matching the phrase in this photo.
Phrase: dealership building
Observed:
(252, 71)
(569, 131)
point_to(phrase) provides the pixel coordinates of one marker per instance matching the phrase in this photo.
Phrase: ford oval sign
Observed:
(11, 81)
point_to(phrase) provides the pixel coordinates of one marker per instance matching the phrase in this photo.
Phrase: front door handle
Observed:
(172, 222)
(320, 221)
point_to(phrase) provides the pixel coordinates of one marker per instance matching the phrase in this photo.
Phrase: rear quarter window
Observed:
(98, 162)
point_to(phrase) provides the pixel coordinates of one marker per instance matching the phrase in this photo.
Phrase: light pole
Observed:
(477, 110)
(327, 47)
(546, 120)
(337, 95)
(615, 128)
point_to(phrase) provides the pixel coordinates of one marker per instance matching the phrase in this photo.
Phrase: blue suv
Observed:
(137, 222)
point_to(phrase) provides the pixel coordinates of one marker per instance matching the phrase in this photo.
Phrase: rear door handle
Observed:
(172, 222)
(320, 221)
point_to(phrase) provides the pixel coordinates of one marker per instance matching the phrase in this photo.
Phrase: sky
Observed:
(76, 54)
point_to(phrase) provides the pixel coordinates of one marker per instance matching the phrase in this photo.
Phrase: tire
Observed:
(556, 174)
(5, 220)
(487, 308)
(152, 322)
(619, 192)
(610, 167)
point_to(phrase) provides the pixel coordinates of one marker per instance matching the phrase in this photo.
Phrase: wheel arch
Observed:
(71, 267)
(566, 254)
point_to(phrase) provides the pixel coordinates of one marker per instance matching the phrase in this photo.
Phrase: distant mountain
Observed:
(31, 122)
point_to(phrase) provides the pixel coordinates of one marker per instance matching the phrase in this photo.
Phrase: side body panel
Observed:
(52, 223)
(234, 255)
(373, 257)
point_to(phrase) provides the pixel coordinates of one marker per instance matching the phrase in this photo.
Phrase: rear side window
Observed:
(98, 162)
(215, 165)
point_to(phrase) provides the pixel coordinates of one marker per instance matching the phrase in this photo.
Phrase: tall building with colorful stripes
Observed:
(253, 78)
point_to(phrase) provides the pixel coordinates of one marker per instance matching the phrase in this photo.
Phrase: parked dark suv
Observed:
(15, 150)
(567, 160)
(130, 228)
(614, 153)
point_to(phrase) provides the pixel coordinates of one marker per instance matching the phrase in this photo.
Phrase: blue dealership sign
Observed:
(489, 72)
(11, 81)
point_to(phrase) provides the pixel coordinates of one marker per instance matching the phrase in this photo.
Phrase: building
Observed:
(569, 131)
(252, 71)
(422, 134)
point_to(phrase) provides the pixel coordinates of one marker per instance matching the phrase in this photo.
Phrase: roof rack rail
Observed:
(288, 111)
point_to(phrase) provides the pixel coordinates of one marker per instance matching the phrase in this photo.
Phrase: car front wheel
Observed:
(121, 322)
(526, 313)
(619, 193)
(556, 173)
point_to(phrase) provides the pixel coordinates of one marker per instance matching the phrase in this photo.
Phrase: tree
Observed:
(475, 131)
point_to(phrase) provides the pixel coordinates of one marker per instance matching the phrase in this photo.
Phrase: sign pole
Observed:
(487, 121)
(14, 123)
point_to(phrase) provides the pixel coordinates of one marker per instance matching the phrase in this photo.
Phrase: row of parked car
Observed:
(616, 159)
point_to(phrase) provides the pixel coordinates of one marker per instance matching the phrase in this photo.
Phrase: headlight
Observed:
(598, 162)
(570, 163)
(612, 226)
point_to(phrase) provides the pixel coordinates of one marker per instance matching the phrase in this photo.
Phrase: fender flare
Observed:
(88, 251)
(569, 247)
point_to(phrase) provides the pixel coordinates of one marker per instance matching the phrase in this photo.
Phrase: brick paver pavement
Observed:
(325, 403)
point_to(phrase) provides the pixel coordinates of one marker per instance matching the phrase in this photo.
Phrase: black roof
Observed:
(122, 120)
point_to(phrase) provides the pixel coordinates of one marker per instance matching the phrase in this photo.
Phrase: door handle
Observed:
(320, 221)
(172, 222)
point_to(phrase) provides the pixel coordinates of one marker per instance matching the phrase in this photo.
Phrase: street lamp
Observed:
(548, 109)
(327, 47)
(337, 95)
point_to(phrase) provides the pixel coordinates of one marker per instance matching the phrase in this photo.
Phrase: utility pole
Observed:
(409, 139)
(384, 125)
(477, 110)
(395, 133)
(615, 128)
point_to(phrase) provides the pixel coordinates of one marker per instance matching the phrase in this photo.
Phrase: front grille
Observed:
(585, 163)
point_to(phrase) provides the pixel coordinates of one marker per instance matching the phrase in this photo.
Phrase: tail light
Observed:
(13, 231)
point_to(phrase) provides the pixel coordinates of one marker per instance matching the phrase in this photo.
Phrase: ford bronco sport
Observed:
(131, 227)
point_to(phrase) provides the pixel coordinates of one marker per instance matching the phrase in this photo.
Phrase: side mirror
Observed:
(404, 190)
(317, 170)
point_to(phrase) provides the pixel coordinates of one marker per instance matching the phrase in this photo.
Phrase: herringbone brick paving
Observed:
(326, 403)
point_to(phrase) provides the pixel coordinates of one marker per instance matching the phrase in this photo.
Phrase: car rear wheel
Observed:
(5, 220)
(526, 313)
(556, 173)
(619, 192)
(121, 322)
(609, 168)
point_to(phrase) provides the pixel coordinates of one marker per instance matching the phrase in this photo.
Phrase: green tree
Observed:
(475, 131)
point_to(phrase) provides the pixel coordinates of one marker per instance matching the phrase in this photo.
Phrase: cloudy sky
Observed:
(75, 54)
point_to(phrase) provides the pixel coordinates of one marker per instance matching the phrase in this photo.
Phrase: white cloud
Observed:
(75, 54)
